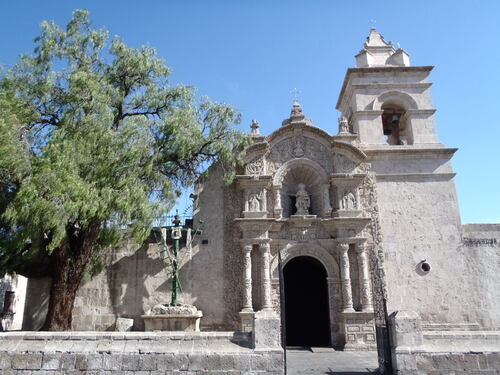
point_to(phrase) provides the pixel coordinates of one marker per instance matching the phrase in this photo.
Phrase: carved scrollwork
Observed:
(255, 167)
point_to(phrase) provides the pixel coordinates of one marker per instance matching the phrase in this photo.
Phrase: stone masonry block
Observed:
(5, 360)
(267, 326)
(258, 362)
(470, 362)
(147, 362)
(112, 362)
(130, 362)
(424, 362)
(226, 362)
(88, 362)
(275, 362)
(171, 362)
(51, 361)
(406, 362)
(200, 362)
(242, 362)
(29, 361)
(493, 360)
(406, 328)
(67, 362)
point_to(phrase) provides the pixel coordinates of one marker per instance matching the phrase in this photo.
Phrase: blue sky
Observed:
(251, 54)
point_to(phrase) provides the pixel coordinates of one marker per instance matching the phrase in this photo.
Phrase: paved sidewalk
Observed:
(305, 362)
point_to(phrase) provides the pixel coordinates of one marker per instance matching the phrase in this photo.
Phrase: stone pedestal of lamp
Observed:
(173, 318)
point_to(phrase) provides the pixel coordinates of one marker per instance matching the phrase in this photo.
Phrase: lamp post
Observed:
(176, 236)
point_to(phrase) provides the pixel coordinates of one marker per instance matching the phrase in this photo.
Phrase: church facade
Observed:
(328, 234)
(372, 208)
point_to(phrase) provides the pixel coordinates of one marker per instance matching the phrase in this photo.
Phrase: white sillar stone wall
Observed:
(16, 284)
(481, 247)
(420, 220)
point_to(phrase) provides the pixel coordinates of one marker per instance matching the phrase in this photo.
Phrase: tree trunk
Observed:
(68, 263)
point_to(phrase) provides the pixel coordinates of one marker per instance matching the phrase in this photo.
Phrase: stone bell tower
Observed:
(388, 105)
(386, 100)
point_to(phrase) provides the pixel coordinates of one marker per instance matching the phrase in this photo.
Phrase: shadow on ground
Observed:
(307, 362)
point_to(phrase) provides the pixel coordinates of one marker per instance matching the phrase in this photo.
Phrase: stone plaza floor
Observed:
(306, 362)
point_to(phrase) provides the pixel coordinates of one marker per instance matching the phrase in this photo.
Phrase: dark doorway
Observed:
(306, 303)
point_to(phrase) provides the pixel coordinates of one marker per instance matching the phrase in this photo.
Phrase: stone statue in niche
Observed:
(302, 201)
(254, 202)
(343, 125)
(349, 201)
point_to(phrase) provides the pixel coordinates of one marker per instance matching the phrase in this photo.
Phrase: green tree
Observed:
(94, 139)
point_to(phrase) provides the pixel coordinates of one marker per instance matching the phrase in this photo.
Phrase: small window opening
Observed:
(393, 125)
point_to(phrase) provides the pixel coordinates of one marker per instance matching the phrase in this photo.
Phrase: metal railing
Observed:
(167, 221)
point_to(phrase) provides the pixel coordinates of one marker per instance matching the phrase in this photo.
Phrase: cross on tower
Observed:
(295, 92)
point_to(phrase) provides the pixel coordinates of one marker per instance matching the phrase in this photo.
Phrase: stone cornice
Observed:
(369, 112)
(345, 222)
(412, 150)
(428, 111)
(424, 85)
(415, 176)
(256, 147)
(348, 146)
(292, 127)
(365, 71)
(253, 180)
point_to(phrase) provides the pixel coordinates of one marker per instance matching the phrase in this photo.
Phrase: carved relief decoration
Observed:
(298, 147)
(255, 167)
(292, 233)
(342, 164)
(375, 253)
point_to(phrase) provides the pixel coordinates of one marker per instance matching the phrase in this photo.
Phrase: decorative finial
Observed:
(296, 112)
(255, 132)
(343, 126)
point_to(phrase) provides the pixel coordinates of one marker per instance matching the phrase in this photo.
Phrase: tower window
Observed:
(393, 124)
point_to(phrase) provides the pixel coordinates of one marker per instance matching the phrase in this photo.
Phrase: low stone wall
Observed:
(134, 353)
(446, 363)
(444, 352)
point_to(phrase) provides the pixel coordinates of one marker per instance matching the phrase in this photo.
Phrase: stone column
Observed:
(327, 207)
(246, 192)
(247, 279)
(345, 278)
(364, 279)
(265, 248)
(263, 205)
